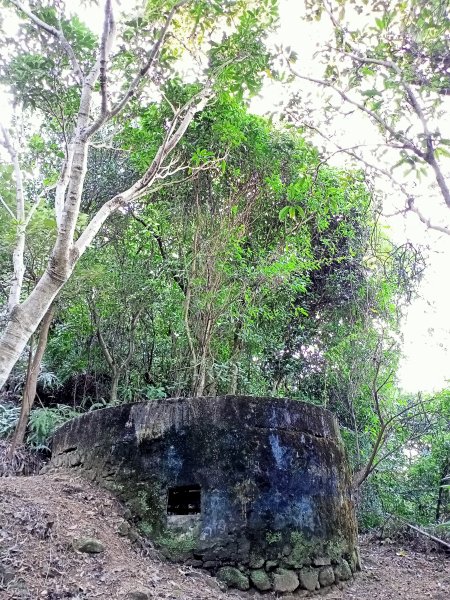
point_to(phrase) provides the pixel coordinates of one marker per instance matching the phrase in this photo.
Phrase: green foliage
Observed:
(271, 252)
(9, 415)
(44, 421)
(273, 537)
(409, 483)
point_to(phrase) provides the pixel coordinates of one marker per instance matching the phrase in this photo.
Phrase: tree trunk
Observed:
(25, 319)
(237, 348)
(115, 376)
(441, 490)
(29, 393)
(200, 380)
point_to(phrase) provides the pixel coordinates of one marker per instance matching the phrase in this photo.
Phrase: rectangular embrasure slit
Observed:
(184, 500)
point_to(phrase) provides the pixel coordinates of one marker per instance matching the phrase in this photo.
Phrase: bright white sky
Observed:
(426, 365)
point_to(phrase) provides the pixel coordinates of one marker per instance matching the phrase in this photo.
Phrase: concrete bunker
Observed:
(256, 490)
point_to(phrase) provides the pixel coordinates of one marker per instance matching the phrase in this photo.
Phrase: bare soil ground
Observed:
(41, 516)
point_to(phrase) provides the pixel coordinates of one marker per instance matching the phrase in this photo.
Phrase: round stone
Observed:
(309, 579)
(233, 578)
(88, 545)
(260, 580)
(285, 580)
(342, 571)
(326, 576)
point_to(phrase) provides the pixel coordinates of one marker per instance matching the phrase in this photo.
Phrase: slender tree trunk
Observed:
(237, 347)
(363, 473)
(211, 384)
(199, 387)
(115, 377)
(444, 473)
(201, 380)
(29, 393)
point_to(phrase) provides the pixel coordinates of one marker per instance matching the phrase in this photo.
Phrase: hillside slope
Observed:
(42, 517)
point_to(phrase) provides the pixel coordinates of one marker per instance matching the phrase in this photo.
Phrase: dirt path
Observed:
(40, 517)
(395, 573)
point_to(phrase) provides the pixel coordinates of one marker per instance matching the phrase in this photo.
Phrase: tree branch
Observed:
(120, 105)
(410, 206)
(19, 247)
(441, 228)
(141, 186)
(429, 156)
(57, 34)
(8, 210)
(105, 48)
(373, 115)
(133, 325)
(108, 356)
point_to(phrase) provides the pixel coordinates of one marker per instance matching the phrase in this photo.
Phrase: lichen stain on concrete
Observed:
(279, 453)
(173, 459)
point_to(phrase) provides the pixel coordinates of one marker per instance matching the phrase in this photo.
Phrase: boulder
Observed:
(137, 595)
(285, 580)
(89, 545)
(256, 561)
(309, 578)
(326, 576)
(124, 529)
(233, 578)
(342, 571)
(260, 580)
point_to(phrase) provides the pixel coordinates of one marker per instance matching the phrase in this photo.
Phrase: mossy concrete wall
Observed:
(275, 491)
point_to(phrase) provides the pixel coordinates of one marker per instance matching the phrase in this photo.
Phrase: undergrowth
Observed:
(23, 460)
(44, 421)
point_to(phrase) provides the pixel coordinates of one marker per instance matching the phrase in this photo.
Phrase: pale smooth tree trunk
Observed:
(24, 318)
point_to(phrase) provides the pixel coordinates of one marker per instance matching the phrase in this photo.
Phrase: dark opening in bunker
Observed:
(184, 500)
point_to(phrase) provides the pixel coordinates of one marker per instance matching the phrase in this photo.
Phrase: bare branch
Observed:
(36, 205)
(147, 66)
(361, 475)
(373, 115)
(410, 206)
(105, 49)
(429, 156)
(10, 212)
(153, 55)
(19, 246)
